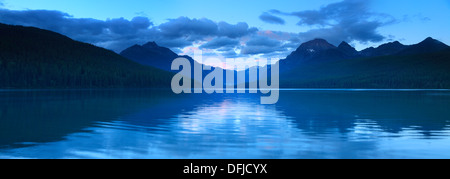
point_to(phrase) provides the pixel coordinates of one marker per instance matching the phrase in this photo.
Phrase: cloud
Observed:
(362, 32)
(263, 41)
(271, 19)
(172, 43)
(255, 50)
(261, 44)
(119, 33)
(220, 42)
(348, 20)
(111, 33)
(415, 17)
(235, 31)
(199, 29)
(123, 26)
(231, 53)
(194, 29)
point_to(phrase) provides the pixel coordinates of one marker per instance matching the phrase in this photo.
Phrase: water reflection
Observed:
(159, 124)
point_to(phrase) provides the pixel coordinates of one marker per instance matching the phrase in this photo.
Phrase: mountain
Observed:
(391, 65)
(310, 51)
(36, 58)
(151, 54)
(426, 46)
(348, 50)
(396, 48)
(384, 49)
(320, 51)
(314, 46)
(318, 63)
(314, 51)
(417, 71)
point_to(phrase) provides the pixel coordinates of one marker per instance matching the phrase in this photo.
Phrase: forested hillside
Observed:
(35, 58)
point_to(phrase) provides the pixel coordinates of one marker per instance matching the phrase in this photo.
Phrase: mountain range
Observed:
(311, 52)
(318, 64)
(36, 58)
(320, 51)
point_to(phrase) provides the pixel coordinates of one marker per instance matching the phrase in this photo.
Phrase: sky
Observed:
(234, 28)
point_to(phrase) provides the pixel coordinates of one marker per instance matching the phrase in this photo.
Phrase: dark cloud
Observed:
(194, 29)
(112, 33)
(254, 50)
(274, 11)
(141, 22)
(220, 42)
(362, 32)
(276, 54)
(261, 44)
(348, 20)
(225, 49)
(230, 54)
(291, 45)
(199, 29)
(120, 33)
(269, 18)
(188, 31)
(263, 41)
(272, 44)
(235, 31)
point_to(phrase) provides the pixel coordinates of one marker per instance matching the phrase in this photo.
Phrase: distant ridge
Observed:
(390, 48)
(319, 50)
(426, 46)
(389, 66)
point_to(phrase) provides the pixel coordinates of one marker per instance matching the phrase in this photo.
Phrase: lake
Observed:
(152, 124)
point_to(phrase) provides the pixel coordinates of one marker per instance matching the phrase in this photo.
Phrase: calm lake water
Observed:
(159, 124)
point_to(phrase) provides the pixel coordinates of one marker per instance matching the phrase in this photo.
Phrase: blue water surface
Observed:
(159, 124)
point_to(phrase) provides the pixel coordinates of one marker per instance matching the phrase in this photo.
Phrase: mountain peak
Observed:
(347, 49)
(395, 44)
(316, 45)
(151, 44)
(344, 44)
(151, 54)
(426, 46)
(430, 40)
(319, 40)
